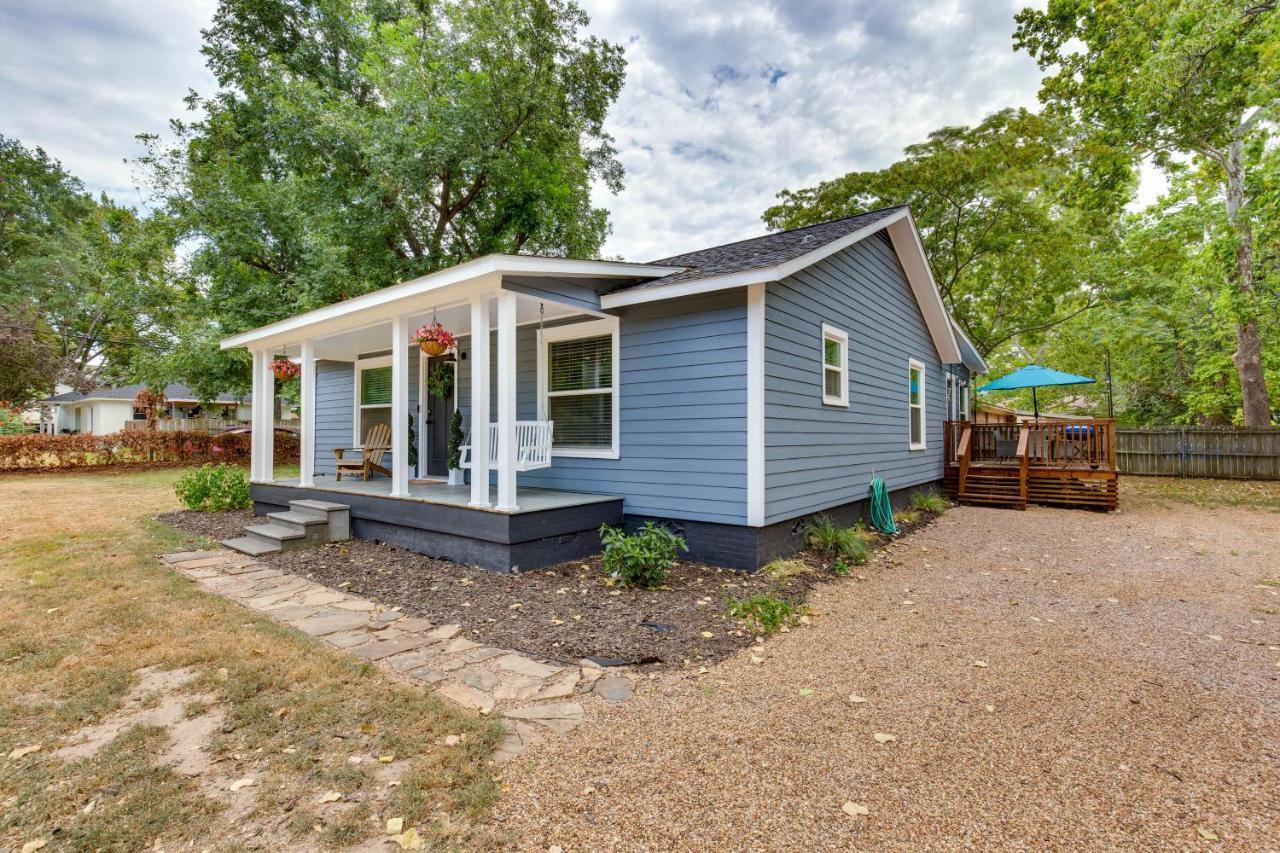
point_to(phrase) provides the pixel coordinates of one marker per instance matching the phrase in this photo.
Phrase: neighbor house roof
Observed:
(173, 392)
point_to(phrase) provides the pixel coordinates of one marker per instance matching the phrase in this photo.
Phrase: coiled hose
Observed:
(881, 509)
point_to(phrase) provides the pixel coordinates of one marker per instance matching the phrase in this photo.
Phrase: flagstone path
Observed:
(536, 698)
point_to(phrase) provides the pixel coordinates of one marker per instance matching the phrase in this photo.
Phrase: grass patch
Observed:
(825, 536)
(1210, 494)
(927, 500)
(87, 605)
(767, 614)
(787, 567)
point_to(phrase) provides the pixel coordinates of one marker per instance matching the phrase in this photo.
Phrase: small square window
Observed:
(835, 366)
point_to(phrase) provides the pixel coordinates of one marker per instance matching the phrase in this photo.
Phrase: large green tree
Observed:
(1017, 216)
(89, 276)
(356, 143)
(1176, 79)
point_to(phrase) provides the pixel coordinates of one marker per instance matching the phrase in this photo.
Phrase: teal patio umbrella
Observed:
(1034, 376)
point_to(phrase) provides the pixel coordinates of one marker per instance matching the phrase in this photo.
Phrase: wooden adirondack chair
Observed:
(376, 442)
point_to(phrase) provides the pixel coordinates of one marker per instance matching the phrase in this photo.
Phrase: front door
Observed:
(438, 414)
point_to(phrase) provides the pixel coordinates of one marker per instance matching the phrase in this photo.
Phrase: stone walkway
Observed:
(536, 698)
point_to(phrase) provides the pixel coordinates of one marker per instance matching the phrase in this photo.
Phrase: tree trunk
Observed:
(1248, 354)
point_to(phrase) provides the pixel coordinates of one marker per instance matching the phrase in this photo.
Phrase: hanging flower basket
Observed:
(433, 339)
(284, 369)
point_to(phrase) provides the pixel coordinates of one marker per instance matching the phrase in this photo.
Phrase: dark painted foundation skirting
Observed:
(493, 540)
(738, 546)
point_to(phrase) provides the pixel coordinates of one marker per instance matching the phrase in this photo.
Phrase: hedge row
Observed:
(52, 452)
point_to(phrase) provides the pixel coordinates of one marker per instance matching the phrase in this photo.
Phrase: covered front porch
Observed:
(362, 374)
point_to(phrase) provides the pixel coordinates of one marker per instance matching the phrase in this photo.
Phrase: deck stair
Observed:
(993, 486)
(304, 523)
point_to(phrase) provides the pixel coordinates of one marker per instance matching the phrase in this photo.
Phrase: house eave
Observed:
(372, 305)
(906, 242)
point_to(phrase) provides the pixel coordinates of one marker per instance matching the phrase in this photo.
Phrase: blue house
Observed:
(731, 393)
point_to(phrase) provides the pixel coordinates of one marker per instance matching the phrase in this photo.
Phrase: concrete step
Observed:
(252, 546)
(338, 515)
(299, 521)
(286, 539)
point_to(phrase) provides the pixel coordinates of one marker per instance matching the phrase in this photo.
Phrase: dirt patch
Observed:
(156, 700)
(564, 613)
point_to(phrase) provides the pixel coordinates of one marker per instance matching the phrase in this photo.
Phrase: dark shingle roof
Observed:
(172, 391)
(758, 252)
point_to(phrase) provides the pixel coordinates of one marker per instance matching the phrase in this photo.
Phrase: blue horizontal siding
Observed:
(335, 408)
(819, 456)
(682, 411)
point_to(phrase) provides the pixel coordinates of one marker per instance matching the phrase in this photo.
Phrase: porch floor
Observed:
(527, 499)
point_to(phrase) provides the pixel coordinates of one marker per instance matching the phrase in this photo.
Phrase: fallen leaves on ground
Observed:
(882, 737)
(243, 783)
(853, 809)
(24, 750)
(330, 797)
(408, 840)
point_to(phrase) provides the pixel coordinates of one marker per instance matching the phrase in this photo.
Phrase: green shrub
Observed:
(767, 614)
(930, 501)
(823, 535)
(839, 568)
(212, 488)
(642, 558)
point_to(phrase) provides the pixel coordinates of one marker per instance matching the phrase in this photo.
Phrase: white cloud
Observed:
(724, 105)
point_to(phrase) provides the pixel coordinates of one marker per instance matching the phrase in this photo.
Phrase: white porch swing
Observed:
(533, 438)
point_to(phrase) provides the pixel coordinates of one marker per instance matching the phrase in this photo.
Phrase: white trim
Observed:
(951, 395)
(424, 405)
(507, 402)
(307, 438)
(489, 265)
(359, 365)
(955, 327)
(830, 332)
(266, 421)
(755, 405)
(480, 400)
(400, 407)
(572, 331)
(255, 440)
(964, 413)
(916, 364)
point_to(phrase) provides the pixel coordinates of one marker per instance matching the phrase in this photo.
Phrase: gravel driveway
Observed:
(1054, 680)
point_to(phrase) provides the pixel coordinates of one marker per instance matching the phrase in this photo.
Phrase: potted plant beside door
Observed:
(456, 475)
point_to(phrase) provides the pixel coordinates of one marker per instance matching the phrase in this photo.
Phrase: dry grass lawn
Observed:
(189, 694)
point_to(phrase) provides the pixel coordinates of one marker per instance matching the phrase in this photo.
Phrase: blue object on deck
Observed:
(881, 508)
(1035, 376)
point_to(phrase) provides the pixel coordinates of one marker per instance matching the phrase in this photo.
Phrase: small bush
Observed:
(930, 501)
(213, 488)
(824, 535)
(11, 422)
(766, 613)
(642, 558)
(839, 568)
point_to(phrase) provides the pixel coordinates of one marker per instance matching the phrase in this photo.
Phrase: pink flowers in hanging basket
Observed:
(433, 339)
(284, 369)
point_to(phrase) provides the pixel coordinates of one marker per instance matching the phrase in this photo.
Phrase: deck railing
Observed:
(1082, 443)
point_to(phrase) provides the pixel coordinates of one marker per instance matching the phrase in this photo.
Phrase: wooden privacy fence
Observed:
(1238, 454)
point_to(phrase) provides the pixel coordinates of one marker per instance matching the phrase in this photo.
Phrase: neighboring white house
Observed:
(106, 410)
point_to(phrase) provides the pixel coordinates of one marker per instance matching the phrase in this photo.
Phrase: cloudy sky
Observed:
(725, 103)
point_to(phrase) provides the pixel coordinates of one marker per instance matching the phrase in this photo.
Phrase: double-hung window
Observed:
(835, 366)
(578, 383)
(373, 395)
(915, 404)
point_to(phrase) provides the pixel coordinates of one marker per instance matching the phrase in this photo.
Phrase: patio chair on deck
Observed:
(376, 443)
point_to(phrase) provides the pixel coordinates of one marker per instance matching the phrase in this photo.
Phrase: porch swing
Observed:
(533, 438)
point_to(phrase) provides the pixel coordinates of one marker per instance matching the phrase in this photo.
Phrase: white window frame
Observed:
(916, 364)
(361, 365)
(964, 413)
(830, 332)
(569, 332)
(953, 397)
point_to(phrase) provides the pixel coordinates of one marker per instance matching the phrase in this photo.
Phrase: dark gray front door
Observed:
(439, 412)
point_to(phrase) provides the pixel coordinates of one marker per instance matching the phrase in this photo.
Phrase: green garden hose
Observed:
(881, 509)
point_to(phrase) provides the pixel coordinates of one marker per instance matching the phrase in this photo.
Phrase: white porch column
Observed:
(255, 438)
(266, 419)
(307, 444)
(507, 401)
(400, 407)
(480, 400)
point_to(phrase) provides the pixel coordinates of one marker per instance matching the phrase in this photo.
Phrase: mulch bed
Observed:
(563, 613)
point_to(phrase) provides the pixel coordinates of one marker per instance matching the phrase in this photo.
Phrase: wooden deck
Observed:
(1069, 463)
